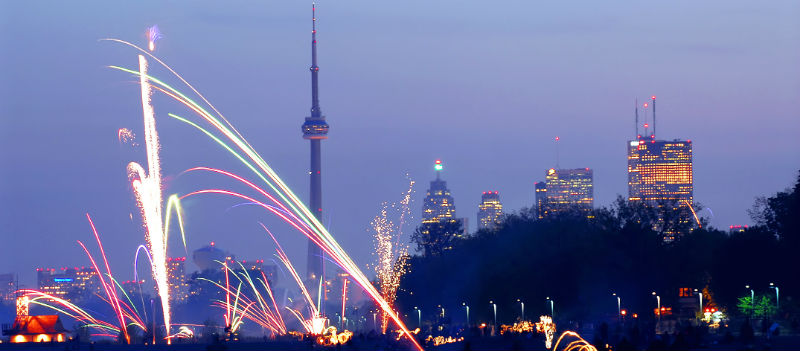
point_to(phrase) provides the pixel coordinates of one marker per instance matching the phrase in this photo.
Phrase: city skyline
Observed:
(77, 140)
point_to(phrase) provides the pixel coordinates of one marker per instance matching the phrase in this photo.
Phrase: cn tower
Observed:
(315, 129)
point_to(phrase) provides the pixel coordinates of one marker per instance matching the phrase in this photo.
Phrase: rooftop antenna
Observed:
(646, 125)
(636, 125)
(557, 166)
(654, 116)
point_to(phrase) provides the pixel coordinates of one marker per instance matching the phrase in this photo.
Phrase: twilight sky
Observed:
(483, 86)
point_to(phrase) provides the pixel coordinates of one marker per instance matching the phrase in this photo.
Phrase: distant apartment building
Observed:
(176, 278)
(71, 284)
(8, 288)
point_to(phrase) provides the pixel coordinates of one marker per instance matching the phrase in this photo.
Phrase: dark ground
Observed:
(790, 342)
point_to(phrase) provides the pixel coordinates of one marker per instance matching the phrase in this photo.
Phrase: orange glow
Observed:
(42, 338)
(19, 338)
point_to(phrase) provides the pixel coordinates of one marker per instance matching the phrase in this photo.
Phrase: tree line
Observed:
(578, 261)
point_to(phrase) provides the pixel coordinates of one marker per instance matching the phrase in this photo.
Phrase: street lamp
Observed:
(777, 296)
(522, 310)
(700, 295)
(467, 306)
(752, 301)
(552, 311)
(658, 300)
(419, 317)
(494, 307)
(619, 306)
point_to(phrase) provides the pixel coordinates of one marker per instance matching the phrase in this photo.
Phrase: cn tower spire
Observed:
(315, 129)
(315, 110)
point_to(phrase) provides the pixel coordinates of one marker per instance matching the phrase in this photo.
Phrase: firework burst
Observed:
(391, 252)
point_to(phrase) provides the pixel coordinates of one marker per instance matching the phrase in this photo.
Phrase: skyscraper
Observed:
(439, 223)
(490, 210)
(438, 205)
(660, 170)
(660, 173)
(315, 129)
(565, 190)
(541, 199)
(176, 278)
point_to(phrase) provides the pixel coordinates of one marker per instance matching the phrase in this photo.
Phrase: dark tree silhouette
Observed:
(434, 238)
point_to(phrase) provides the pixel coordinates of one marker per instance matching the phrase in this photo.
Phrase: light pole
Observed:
(752, 301)
(419, 317)
(467, 306)
(619, 306)
(552, 308)
(522, 310)
(494, 307)
(658, 301)
(700, 295)
(777, 296)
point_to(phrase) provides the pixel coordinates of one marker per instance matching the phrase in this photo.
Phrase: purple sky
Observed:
(485, 87)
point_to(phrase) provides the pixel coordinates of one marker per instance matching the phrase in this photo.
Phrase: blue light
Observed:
(61, 280)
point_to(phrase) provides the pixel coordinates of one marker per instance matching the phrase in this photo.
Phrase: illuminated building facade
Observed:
(71, 284)
(541, 199)
(438, 205)
(8, 288)
(133, 287)
(439, 209)
(660, 170)
(176, 278)
(490, 210)
(565, 190)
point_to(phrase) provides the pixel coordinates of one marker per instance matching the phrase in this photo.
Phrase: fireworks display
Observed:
(125, 314)
(284, 203)
(391, 252)
(576, 345)
(548, 328)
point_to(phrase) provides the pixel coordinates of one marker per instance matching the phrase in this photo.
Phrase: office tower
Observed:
(490, 210)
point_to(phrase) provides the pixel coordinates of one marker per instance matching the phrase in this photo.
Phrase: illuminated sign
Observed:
(61, 280)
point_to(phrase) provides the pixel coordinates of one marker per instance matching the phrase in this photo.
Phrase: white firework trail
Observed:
(147, 188)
